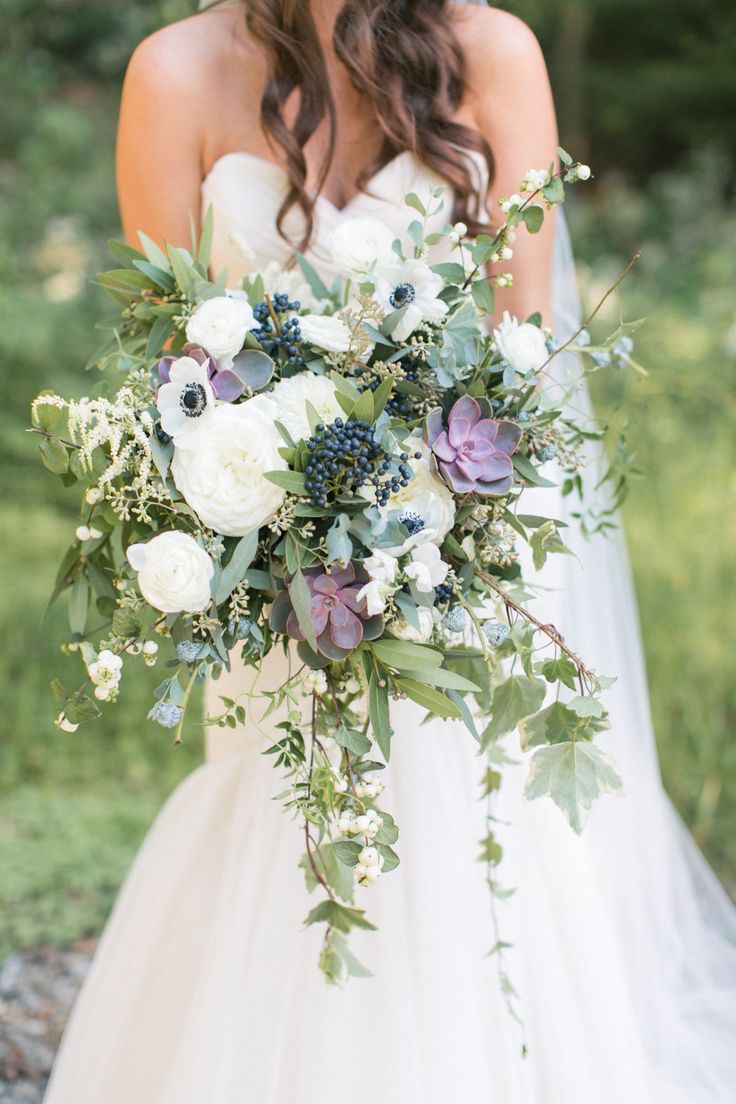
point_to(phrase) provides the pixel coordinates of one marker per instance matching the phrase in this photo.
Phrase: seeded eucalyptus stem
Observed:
(311, 846)
(549, 630)
(272, 312)
(185, 702)
(584, 325)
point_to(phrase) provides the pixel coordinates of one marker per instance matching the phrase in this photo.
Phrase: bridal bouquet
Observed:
(339, 472)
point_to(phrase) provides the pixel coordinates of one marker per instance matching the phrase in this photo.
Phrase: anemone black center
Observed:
(402, 295)
(412, 521)
(193, 400)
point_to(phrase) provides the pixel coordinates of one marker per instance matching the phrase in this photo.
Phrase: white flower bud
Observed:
(584, 172)
(507, 253)
(372, 874)
(369, 856)
(82, 533)
(95, 534)
(92, 496)
(150, 647)
(65, 725)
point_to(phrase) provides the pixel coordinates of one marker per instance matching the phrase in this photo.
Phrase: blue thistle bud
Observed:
(495, 633)
(166, 714)
(188, 650)
(454, 620)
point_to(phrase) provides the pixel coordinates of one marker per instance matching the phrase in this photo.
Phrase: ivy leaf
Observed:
(544, 540)
(554, 725)
(339, 916)
(560, 670)
(574, 775)
(513, 699)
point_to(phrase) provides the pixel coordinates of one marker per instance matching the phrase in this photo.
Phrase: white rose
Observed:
(523, 345)
(359, 244)
(220, 473)
(291, 396)
(219, 325)
(427, 569)
(405, 631)
(326, 332)
(174, 573)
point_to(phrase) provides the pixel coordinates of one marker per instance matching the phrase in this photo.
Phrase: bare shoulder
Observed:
(495, 43)
(193, 55)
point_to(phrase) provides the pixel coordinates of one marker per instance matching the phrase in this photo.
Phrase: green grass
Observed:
(74, 807)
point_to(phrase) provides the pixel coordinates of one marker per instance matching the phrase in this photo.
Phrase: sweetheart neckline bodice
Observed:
(245, 192)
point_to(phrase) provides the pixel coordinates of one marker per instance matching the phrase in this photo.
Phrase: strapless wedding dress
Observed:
(205, 989)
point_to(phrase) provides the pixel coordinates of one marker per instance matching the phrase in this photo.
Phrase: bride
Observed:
(288, 116)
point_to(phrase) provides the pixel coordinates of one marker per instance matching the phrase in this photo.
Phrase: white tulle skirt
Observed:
(205, 989)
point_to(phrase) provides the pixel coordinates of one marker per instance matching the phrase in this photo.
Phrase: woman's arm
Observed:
(160, 144)
(512, 102)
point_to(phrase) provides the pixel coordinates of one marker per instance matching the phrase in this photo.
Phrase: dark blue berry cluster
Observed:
(345, 456)
(443, 594)
(288, 336)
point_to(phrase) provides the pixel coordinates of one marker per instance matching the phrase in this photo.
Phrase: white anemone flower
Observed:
(186, 400)
(413, 286)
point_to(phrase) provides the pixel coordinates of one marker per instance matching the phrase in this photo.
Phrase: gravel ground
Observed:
(37, 989)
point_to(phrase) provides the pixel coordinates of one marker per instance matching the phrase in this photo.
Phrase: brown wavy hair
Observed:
(403, 57)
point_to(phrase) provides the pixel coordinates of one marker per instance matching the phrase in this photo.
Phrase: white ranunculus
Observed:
(374, 594)
(174, 572)
(291, 396)
(427, 569)
(220, 324)
(359, 244)
(381, 568)
(413, 286)
(405, 631)
(426, 497)
(326, 332)
(221, 472)
(186, 400)
(522, 344)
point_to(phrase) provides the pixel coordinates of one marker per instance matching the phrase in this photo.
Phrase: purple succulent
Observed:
(226, 384)
(474, 452)
(338, 615)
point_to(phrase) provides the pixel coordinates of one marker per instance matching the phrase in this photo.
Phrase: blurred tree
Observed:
(641, 84)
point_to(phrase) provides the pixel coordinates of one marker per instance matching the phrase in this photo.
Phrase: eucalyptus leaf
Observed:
(380, 715)
(234, 571)
(301, 600)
